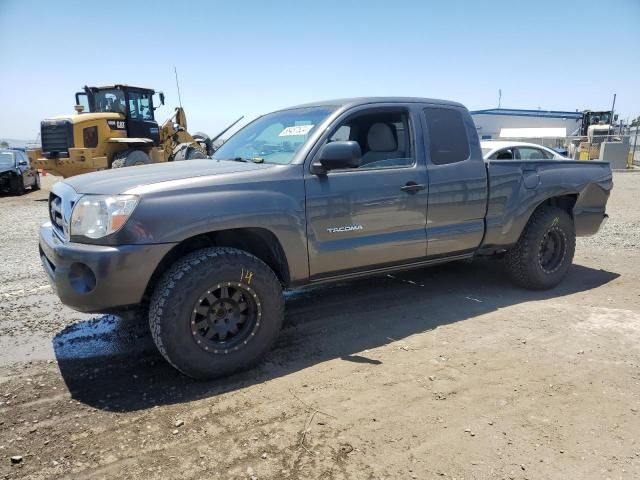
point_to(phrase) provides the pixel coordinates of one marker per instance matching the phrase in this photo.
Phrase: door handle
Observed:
(413, 187)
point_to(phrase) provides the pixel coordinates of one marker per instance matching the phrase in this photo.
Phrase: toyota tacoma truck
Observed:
(315, 193)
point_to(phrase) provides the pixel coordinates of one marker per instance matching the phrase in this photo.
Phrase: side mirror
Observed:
(615, 117)
(23, 163)
(161, 95)
(338, 155)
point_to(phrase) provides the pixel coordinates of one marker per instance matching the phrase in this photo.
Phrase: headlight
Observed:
(96, 216)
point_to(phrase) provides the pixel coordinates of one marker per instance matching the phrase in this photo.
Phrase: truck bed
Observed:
(518, 187)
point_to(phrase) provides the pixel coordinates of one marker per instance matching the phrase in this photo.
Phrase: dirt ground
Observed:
(448, 372)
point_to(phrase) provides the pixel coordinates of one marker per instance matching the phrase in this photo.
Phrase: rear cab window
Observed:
(447, 133)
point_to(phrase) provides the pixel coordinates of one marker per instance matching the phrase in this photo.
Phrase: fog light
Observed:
(81, 278)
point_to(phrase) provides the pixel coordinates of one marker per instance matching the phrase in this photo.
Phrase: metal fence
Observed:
(583, 148)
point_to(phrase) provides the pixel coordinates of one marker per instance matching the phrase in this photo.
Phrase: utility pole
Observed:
(499, 97)
(613, 106)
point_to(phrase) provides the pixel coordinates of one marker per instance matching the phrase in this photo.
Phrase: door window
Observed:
(22, 157)
(447, 135)
(140, 106)
(506, 154)
(384, 139)
(109, 100)
(83, 99)
(530, 153)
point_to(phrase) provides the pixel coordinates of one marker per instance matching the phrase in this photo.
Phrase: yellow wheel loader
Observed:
(115, 127)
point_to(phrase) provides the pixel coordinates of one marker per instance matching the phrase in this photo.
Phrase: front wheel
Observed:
(17, 185)
(216, 311)
(36, 183)
(544, 252)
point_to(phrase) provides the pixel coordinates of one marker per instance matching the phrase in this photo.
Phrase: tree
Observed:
(4, 144)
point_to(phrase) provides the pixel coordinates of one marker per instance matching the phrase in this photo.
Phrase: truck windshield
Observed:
(274, 138)
(109, 100)
(7, 159)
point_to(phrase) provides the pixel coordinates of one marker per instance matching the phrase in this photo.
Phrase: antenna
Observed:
(177, 86)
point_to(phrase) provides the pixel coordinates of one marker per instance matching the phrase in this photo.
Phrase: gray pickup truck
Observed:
(315, 193)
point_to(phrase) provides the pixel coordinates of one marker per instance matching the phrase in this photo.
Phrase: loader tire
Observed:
(205, 141)
(130, 158)
(186, 151)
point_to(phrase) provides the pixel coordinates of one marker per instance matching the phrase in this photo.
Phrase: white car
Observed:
(505, 150)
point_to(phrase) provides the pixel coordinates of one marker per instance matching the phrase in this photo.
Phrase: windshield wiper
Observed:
(246, 160)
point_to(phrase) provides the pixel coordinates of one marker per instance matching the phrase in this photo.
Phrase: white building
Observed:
(499, 123)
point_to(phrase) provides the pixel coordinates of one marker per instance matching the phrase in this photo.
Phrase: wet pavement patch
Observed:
(107, 335)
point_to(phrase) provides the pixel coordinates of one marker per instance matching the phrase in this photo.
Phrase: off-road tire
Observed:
(524, 262)
(178, 292)
(130, 158)
(195, 154)
(187, 151)
(17, 186)
(204, 139)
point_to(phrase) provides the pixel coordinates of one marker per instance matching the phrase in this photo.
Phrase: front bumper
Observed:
(79, 160)
(6, 179)
(96, 278)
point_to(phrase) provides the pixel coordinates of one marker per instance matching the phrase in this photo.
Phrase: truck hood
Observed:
(121, 180)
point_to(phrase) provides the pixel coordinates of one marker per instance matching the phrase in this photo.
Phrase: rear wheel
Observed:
(216, 311)
(544, 252)
(130, 158)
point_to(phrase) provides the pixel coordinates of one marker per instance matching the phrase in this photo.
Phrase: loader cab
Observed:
(136, 104)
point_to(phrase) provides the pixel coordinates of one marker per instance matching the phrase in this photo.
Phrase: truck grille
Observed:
(55, 213)
(56, 137)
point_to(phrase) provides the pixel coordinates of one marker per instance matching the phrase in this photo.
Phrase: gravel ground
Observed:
(27, 304)
(622, 231)
(448, 372)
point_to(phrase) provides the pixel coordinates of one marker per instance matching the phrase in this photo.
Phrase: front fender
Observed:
(274, 205)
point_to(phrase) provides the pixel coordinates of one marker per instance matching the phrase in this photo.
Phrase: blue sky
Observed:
(250, 57)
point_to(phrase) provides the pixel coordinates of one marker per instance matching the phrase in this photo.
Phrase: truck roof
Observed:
(357, 101)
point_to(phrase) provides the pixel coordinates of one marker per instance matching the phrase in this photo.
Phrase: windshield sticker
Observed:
(298, 130)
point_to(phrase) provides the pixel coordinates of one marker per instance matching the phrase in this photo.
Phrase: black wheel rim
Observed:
(225, 317)
(552, 250)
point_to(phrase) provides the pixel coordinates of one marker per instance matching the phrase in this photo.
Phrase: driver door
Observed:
(140, 120)
(375, 215)
(28, 176)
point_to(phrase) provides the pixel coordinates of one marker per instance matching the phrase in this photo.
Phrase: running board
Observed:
(394, 268)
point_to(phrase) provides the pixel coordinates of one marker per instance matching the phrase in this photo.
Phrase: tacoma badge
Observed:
(346, 228)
